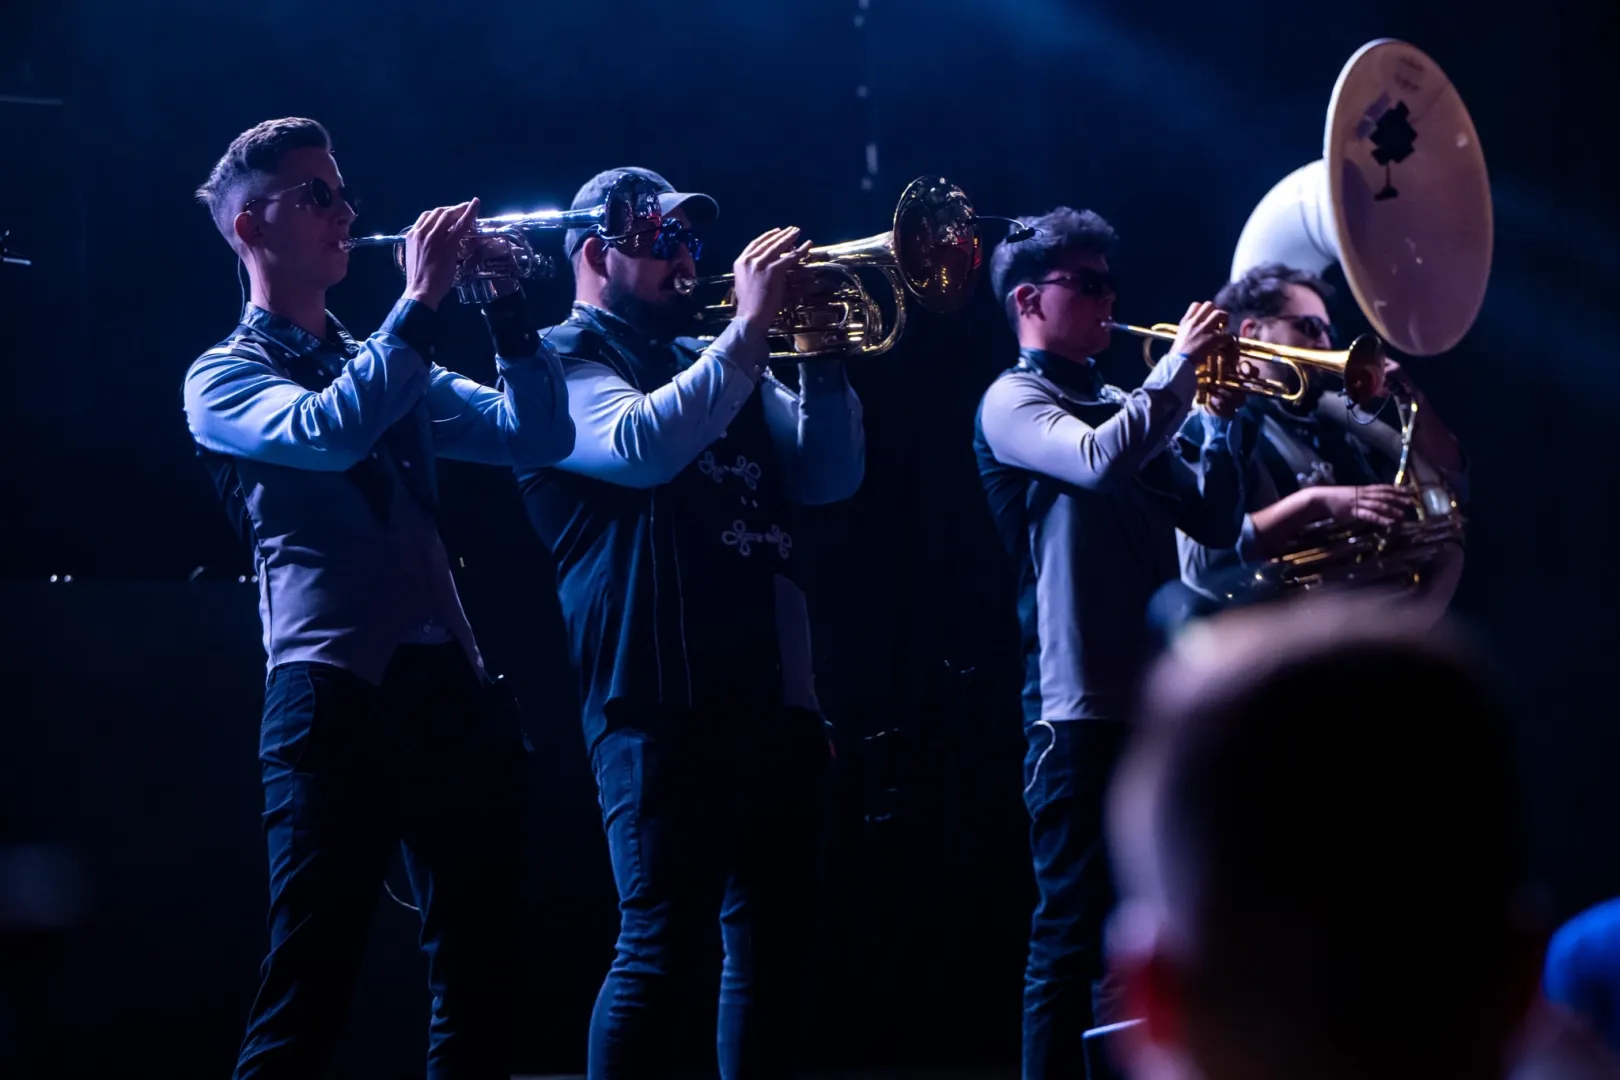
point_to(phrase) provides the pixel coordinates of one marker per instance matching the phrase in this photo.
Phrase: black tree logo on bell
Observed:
(1392, 139)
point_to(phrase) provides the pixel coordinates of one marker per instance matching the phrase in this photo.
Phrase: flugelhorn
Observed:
(1361, 366)
(505, 251)
(931, 252)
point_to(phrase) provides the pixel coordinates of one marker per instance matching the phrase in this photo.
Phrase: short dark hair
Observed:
(1061, 234)
(1315, 839)
(1262, 291)
(252, 158)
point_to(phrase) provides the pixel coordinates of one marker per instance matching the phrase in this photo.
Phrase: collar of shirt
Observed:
(295, 338)
(1077, 379)
(660, 359)
(610, 324)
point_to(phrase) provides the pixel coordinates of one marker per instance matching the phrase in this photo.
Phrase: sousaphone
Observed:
(1401, 200)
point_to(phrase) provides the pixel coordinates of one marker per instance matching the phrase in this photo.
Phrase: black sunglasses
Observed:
(318, 191)
(1312, 326)
(1093, 283)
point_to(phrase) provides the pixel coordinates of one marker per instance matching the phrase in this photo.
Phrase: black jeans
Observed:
(709, 816)
(434, 758)
(1066, 772)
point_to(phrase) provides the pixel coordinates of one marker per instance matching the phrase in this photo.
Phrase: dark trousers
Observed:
(1066, 772)
(709, 817)
(433, 759)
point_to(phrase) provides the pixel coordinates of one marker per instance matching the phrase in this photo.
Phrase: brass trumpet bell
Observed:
(932, 252)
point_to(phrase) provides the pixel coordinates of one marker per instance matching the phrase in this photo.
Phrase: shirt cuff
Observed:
(824, 376)
(1176, 373)
(1247, 542)
(744, 356)
(416, 324)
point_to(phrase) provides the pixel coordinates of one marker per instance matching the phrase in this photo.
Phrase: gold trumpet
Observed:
(1361, 366)
(932, 251)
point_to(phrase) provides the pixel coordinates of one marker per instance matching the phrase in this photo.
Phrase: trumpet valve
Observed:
(820, 328)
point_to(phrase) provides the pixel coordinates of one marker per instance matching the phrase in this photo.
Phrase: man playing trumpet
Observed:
(380, 723)
(1088, 486)
(671, 525)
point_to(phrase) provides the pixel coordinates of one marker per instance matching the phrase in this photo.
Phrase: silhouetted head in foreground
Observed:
(1317, 837)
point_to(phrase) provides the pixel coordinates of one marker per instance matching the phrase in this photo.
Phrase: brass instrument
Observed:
(932, 251)
(1361, 366)
(1420, 552)
(1413, 234)
(502, 249)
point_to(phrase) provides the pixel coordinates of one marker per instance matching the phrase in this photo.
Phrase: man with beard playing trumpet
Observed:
(669, 525)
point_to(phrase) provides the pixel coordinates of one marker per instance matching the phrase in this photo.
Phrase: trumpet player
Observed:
(1088, 489)
(380, 723)
(671, 526)
(1319, 459)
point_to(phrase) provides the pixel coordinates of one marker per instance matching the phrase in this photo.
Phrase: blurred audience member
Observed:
(1316, 832)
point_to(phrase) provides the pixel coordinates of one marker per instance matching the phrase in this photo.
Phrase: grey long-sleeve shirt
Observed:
(1088, 490)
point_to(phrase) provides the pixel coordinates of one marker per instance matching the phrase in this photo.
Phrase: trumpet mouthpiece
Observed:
(684, 284)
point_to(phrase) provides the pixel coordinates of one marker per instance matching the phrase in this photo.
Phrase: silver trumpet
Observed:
(499, 248)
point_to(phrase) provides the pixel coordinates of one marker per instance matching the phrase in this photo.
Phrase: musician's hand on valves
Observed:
(1202, 333)
(492, 256)
(1372, 504)
(762, 273)
(433, 251)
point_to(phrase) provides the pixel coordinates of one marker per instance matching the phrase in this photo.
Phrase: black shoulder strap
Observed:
(1300, 461)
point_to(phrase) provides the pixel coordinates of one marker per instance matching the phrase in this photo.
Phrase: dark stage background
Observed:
(133, 690)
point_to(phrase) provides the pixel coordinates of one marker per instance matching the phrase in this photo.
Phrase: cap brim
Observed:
(700, 209)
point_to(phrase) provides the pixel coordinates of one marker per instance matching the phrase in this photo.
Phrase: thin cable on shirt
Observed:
(1035, 773)
(1351, 410)
(389, 889)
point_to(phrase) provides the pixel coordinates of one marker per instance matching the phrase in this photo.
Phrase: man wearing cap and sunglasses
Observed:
(671, 526)
(1319, 459)
(1088, 485)
(380, 724)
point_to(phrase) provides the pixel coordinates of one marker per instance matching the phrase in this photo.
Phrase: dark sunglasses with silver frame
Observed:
(319, 193)
(662, 239)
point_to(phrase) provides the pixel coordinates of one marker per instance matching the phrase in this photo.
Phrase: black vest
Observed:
(669, 591)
